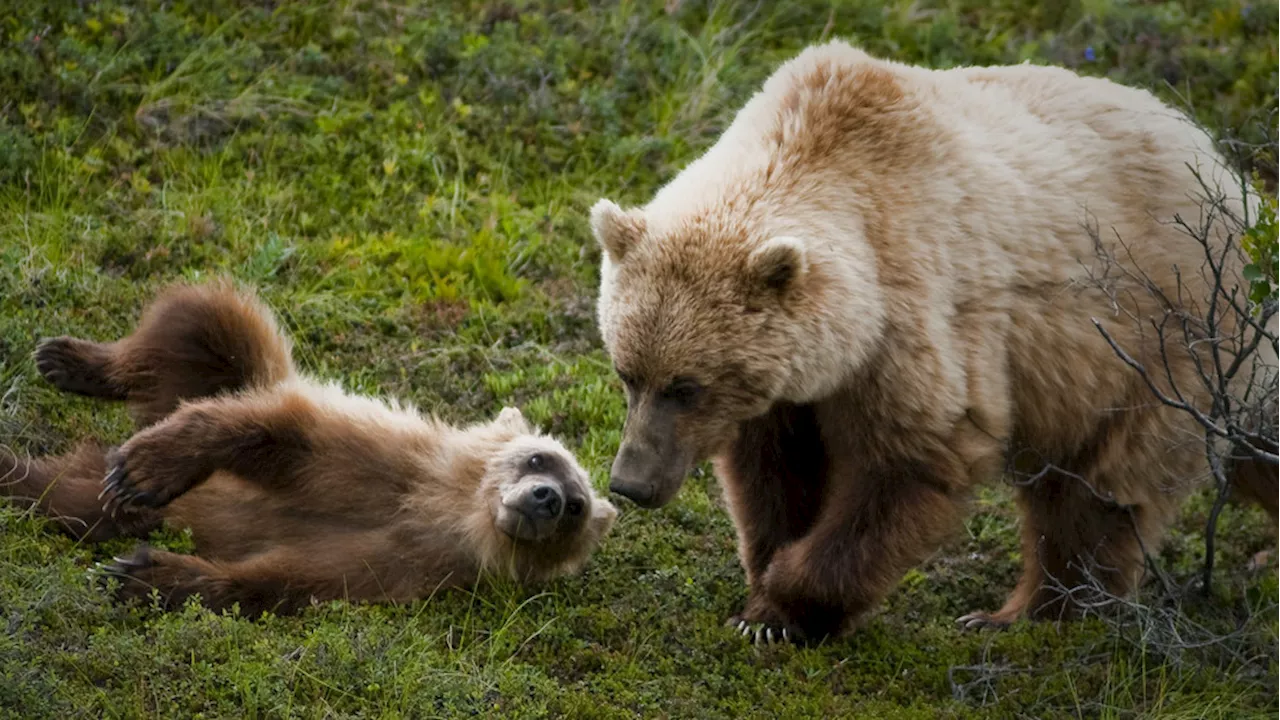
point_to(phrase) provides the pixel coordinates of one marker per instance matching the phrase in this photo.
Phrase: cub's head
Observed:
(709, 322)
(542, 502)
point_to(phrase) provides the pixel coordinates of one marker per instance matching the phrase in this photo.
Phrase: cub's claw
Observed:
(120, 493)
(132, 572)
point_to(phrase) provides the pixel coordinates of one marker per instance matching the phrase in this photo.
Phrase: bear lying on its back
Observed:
(873, 291)
(295, 491)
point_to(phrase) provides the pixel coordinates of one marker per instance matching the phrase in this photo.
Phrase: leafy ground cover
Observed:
(407, 183)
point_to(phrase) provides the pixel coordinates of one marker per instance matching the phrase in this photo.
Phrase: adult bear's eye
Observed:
(683, 391)
(573, 507)
(627, 379)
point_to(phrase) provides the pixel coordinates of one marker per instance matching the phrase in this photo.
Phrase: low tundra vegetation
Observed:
(407, 184)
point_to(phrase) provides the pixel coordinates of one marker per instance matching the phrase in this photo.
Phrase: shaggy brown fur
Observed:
(294, 491)
(876, 291)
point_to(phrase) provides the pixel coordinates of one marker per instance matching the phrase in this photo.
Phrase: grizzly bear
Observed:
(295, 491)
(874, 292)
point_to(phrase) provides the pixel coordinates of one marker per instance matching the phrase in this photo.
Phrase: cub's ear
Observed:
(778, 264)
(616, 230)
(603, 513)
(513, 419)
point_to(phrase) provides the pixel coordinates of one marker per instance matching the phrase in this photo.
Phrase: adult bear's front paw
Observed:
(763, 623)
(791, 596)
(766, 633)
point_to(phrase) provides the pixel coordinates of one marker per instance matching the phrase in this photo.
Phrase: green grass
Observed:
(407, 183)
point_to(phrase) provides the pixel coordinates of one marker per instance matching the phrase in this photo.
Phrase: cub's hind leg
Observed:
(80, 366)
(355, 566)
(66, 488)
(192, 342)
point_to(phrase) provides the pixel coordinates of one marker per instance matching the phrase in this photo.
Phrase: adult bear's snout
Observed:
(633, 476)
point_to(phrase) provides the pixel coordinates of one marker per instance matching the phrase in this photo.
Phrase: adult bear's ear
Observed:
(616, 230)
(777, 265)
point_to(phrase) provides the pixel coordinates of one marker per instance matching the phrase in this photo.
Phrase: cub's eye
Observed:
(573, 507)
(536, 462)
(683, 391)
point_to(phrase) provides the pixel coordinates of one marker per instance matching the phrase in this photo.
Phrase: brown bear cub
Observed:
(295, 490)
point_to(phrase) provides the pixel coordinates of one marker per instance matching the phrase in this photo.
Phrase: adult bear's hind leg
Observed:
(1086, 527)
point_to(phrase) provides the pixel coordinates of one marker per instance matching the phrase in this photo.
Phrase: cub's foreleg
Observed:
(262, 437)
(274, 581)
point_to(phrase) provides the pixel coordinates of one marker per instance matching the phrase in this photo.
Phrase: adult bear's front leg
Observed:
(772, 476)
(876, 522)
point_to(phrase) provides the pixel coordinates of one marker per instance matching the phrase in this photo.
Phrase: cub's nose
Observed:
(544, 502)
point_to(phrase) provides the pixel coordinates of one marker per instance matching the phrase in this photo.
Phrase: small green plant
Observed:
(1260, 244)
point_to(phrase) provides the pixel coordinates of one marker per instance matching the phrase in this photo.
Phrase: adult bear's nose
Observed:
(632, 476)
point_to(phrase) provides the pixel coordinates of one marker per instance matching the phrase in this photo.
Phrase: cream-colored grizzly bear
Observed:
(875, 291)
(295, 490)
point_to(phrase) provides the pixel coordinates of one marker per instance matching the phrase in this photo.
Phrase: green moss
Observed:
(408, 184)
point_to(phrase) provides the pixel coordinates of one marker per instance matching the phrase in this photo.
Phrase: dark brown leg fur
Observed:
(1078, 539)
(1256, 481)
(66, 488)
(871, 529)
(79, 366)
(192, 342)
(260, 437)
(1074, 543)
(282, 580)
(773, 482)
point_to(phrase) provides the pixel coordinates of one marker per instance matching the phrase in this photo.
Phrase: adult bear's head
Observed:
(712, 318)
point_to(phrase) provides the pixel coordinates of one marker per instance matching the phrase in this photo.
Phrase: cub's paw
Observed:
(172, 576)
(76, 366)
(983, 621)
(146, 472)
(133, 573)
(768, 633)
